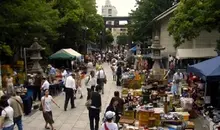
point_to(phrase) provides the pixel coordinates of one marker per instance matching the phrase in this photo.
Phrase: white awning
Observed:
(196, 53)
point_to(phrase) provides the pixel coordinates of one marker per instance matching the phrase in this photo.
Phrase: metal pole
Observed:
(25, 63)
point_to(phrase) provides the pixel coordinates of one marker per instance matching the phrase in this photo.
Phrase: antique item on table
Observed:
(146, 94)
(129, 98)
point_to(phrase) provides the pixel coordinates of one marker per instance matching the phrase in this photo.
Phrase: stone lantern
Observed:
(156, 52)
(156, 48)
(35, 50)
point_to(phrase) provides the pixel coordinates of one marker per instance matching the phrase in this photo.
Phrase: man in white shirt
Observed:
(101, 78)
(70, 87)
(45, 85)
(64, 75)
(177, 77)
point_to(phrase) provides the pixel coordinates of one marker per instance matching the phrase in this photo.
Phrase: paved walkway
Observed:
(72, 119)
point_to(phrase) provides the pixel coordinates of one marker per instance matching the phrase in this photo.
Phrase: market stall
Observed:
(66, 54)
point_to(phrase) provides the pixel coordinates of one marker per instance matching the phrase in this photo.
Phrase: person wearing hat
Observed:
(52, 73)
(109, 124)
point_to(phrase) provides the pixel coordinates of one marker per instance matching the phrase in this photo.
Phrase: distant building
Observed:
(201, 47)
(108, 10)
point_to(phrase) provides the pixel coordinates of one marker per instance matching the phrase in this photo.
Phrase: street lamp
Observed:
(85, 28)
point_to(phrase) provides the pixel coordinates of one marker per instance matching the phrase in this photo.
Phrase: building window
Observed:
(109, 15)
(109, 11)
(109, 23)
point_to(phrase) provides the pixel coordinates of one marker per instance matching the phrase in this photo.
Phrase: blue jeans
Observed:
(9, 128)
(18, 122)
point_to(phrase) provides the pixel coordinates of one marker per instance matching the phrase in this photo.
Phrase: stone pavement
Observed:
(72, 119)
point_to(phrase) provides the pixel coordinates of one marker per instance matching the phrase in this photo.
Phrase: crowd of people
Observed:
(94, 76)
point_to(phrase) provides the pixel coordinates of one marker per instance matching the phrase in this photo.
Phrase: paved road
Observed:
(72, 119)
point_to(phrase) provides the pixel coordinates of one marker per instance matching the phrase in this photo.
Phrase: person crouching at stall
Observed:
(113, 106)
(109, 124)
(46, 102)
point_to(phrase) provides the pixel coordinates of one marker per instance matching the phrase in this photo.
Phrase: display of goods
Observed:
(20, 62)
(5, 69)
(157, 117)
(135, 84)
(143, 123)
(124, 91)
(186, 103)
(129, 114)
(145, 115)
(137, 76)
(21, 77)
(137, 93)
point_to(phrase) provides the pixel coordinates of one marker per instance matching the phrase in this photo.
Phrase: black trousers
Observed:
(37, 93)
(94, 115)
(69, 96)
(118, 82)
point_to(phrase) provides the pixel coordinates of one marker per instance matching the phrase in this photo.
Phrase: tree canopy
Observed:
(57, 23)
(108, 37)
(193, 16)
(122, 39)
(141, 27)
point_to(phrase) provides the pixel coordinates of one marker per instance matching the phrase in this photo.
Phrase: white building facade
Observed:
(108, 10)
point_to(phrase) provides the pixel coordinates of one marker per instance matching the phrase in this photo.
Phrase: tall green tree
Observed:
(193, 16)
(21, 21)
(122, 39)
(141, 26)
(108, 38)
(74, 16)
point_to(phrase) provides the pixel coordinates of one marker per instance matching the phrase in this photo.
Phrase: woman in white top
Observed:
(109, 124)
(10, 85)
(47, 109)
(7, 113)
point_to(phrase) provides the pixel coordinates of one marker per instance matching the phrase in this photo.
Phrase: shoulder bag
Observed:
(106, 128)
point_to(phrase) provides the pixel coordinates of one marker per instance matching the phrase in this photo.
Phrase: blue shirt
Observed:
(52, 71)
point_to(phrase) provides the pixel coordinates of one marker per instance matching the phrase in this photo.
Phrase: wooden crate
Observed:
(129, 114)
(143, 123)
(157, 117)
(145, 115)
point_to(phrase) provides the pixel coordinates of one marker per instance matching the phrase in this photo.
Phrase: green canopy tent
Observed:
(65, 54)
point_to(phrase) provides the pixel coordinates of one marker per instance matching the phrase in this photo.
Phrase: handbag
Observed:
(88, 103)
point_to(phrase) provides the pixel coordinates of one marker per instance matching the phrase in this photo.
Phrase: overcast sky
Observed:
(123, 6)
